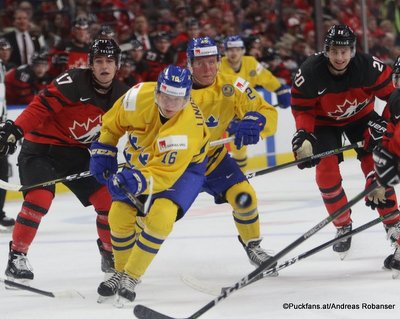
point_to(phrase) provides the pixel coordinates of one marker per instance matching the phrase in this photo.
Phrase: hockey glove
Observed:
(9, 135)
(386, 167)
(232, 127)
(377, 198)
(303, 144)
(60, 58)
(129, 180)
(103, 161)
(373, 134)
(249, 128)
(283, 95)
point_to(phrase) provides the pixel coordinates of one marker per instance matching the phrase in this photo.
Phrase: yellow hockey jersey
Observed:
(252, 71)
(229, 97)
(159, 149)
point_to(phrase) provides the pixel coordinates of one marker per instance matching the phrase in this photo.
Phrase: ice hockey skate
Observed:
(256, 254)
(126, 291)
(392, 262)
(6, 223)
(18, 267)
(108, 288)
(342, 247)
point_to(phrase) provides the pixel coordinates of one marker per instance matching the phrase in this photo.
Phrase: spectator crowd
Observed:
(154, 33)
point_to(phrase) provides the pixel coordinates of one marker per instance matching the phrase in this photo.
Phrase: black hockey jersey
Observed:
(321, 98)
(69, 111)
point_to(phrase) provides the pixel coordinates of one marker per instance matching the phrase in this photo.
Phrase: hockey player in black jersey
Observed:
(333, 95)
(58, 127)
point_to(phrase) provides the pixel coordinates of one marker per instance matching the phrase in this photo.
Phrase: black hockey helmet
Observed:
(396, 73)
(4, 44)
(40, 58)
(340, 35)
(105, 47)
(81, 23)
(268, 54)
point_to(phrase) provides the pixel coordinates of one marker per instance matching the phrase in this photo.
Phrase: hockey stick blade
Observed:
(72, 293)
(306, 159)
(147, 313)
(196, 284)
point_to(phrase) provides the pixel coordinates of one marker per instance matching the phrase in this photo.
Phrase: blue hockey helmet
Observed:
(200, 47)
(340, 35)
(175, 81)
(233, 41)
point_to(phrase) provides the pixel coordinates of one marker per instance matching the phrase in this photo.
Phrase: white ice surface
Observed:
(64, 257)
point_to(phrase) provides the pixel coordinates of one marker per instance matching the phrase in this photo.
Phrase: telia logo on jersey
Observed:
(348, 109)
(88, 131)
(241, 84)
(172, 142)
(212, 50)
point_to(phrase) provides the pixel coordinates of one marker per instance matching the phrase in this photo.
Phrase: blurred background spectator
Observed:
(288, 27)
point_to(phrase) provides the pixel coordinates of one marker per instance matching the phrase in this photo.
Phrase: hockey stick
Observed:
(143, 312)
(306, 159)
(20, 188)
(197, 285)
(46, 293)
(143, 208)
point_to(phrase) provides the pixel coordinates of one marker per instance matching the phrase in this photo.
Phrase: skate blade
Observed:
(395, 273)
(6, 229)
(121, 302)
(106, 299)
(343, 254)
(272, 274)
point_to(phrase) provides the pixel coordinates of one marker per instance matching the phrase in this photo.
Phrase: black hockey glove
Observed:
(377, 198)
(373, 134)
(9, 135)
(60, 58)
(303, 144)
(386, 167)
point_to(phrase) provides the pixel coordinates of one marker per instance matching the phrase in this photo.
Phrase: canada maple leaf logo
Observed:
(348, 109)
(88, 131)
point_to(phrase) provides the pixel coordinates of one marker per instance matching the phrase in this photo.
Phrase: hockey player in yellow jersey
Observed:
(168, 142)
(222, 98)
(236, 63)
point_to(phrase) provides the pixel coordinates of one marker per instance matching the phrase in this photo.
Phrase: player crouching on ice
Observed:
(168, 142)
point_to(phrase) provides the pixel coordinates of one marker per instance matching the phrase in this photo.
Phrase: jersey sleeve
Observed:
(249, 100)
(303, 99)
(379, 76)
(266, 79)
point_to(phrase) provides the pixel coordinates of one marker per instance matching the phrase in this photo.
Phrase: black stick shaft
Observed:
(143, 312)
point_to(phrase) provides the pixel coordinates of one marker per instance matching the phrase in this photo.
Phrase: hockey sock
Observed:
(35, 206)
(101, 201)
(243, 200)
(158, 225)
(334, 198)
